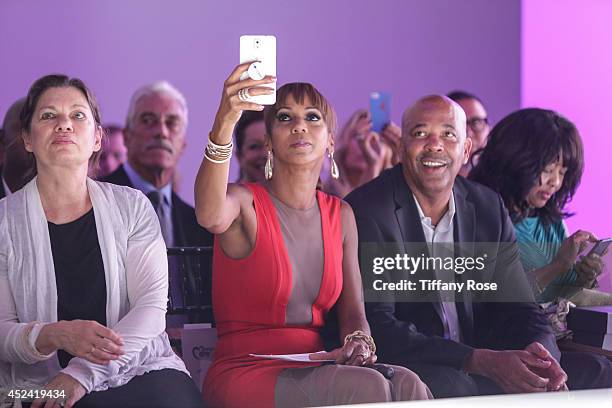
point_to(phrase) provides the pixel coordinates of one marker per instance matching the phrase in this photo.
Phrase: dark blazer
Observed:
(412, 332)
(187, 231)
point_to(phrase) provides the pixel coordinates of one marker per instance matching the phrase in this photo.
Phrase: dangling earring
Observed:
(335, 173)
(269, 166)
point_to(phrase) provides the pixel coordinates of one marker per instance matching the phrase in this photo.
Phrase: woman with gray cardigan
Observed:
(83, 272)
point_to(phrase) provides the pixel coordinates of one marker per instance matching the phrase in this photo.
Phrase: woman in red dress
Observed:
(284, 255)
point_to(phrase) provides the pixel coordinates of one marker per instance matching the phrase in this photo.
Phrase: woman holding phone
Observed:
(284, 255)
(534, 159)
(362, 154)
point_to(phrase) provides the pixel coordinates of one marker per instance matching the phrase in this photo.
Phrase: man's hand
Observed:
(557, 377)
(73, 390)
(512, 370)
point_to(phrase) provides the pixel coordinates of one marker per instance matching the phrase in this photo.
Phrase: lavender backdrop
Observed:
(347, 48)
(567, 66)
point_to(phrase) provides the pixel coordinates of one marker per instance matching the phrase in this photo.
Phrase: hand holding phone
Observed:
(380, 110)
(600, 247)
(261, 51)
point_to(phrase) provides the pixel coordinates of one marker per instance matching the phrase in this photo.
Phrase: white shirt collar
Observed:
(143, 185)
(446, 221)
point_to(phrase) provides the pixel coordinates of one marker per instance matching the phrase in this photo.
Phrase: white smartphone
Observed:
(261, 48)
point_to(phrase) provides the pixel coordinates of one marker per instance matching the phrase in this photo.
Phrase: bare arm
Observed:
(351, 310)
(217, 206)
(563, 260)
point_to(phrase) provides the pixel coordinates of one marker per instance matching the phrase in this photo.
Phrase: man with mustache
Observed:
(459, 347)
(154, 136)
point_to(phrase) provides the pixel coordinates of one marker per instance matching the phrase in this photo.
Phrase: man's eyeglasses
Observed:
(478, 124)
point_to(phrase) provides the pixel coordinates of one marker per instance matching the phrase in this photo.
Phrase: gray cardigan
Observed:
(136, 269)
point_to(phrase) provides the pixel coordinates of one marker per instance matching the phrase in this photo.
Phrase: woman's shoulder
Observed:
(122, 194)
(535, 229)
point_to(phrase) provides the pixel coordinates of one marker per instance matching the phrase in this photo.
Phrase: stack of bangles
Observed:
(218, 153)
(361, 335)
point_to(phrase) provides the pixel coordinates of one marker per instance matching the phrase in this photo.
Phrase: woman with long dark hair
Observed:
(534, 159)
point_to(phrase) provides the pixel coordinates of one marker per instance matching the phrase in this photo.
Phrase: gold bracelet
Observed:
(361, 335)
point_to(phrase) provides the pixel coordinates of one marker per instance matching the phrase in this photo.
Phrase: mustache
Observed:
(159, 145)
(434, 157)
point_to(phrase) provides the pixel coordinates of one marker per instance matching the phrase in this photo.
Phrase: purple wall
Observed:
(347, 48)
(567, 66)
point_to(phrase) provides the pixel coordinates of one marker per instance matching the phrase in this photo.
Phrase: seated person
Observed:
(284, 255)
(154, 135)
(361, 153)
(464, 347)
(251, 151)
(477, 125)
(534, 160)
(18, 167)
(114, 152)
(83, 270)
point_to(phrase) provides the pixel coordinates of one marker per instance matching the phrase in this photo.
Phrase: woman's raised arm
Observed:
(218, 206)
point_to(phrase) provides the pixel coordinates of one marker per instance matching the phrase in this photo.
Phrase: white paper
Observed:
(302, 358)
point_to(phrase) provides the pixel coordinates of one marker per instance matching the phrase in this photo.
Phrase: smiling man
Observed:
(461, 346)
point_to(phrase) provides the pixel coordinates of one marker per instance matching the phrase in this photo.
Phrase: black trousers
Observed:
(156, 389)
(584, 371)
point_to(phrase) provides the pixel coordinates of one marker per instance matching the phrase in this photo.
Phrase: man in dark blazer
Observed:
(465, 347)
(154, 136)
(187, 231)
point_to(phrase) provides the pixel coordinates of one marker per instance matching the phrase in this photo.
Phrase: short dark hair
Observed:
(247, 118)
(460, 95)
(59, 81)
(520, 146)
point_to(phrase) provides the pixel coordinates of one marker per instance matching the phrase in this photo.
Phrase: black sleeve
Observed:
(517, 324)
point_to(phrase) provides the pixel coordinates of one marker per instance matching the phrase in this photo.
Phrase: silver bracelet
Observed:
(218, 153)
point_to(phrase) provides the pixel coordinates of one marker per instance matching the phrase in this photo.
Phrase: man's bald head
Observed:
(434, 146)
(431, 103)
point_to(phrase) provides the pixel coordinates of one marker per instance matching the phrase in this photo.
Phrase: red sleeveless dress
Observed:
(250, 298)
